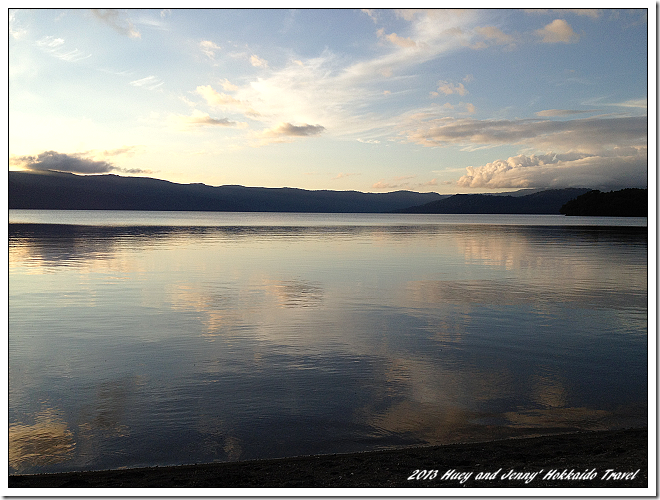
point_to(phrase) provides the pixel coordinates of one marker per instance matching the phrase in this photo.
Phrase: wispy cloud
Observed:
(221, 100)
(563, 112)
(117, 20)
(403, 182)
(149, 83)
(587, 134)
(55, 47)
(342, 175)
(16, 29)
(372, 13)
(396, 39)
(209, 48)
(286, 132)
(632, 103)
(292, 93)
(290, 130)
(201, 119)
(593, 13)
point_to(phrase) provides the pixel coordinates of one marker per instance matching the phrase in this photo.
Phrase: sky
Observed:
(450, 101)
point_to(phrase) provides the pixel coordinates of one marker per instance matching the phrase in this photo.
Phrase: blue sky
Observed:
(372, 100)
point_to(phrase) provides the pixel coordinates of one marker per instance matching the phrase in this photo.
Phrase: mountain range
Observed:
(65, 191)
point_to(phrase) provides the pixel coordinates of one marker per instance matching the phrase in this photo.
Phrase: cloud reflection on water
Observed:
(313, 340)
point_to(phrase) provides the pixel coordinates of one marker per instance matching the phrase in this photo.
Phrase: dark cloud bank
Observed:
(74, 163)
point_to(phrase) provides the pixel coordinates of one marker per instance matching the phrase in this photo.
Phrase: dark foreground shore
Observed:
(511, 463)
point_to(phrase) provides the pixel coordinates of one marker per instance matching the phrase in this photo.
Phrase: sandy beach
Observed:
(598, 459)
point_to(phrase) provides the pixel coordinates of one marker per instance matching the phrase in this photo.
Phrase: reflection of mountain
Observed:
(56, 190)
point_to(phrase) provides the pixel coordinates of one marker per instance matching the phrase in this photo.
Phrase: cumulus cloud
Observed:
(469, 107)
(618, 168)
(558, 31)
(118, 20)
(451, 88)
(62, 162)
(591, 152)
(494, 35)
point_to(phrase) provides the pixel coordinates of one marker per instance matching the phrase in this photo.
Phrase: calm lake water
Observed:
(158, 338)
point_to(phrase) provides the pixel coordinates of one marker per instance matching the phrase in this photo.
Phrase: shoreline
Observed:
(588, 454)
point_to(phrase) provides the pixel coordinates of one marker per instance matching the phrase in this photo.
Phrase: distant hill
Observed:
(65, 191)
(542, 202)
(631, 202)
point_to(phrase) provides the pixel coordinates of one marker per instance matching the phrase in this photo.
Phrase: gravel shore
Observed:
(565, 460)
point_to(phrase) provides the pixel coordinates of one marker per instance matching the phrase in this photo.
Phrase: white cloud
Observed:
(451, 88)
(55, 47)
(149, 83)
(493, 35)
(220, 100)
(372, 14)
(632, 103)
(209, 48)
(258, 62)
(342, 93)
(621, 167)
(16, 29)
(396, 39)
(558, 31)
(228, 86)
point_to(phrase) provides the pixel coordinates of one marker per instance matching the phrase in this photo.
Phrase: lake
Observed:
(161, 338)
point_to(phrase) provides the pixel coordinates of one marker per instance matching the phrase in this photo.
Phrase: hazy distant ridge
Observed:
(543, 202)
(64, 191)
